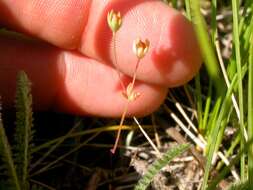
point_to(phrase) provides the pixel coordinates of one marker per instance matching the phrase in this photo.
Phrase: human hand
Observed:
(73, 72)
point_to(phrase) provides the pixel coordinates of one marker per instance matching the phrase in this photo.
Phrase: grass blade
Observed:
(6, 156)
(207, 50)
(250, 114)
(240, 86)
(214, 133)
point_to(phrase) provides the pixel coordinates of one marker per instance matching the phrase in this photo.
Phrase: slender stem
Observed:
(82, 133)
(135, 72)
(116, 61)
(53, 147)
(207, 107)
(250, 114)
(240, 84)
(158, 142)
(214, 21)
(52, 164)
(125, 110)
(42, 184)
(199, 104)
(120, 128)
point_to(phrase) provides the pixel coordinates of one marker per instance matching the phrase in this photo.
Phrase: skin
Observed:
(68, 53)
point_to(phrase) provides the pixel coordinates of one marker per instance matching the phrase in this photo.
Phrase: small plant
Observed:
(16, 160)
(159, 164)
(140, 49)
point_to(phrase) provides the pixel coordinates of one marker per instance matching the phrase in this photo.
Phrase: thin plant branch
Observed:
(116, 61)
(120, 127)
(147, 137)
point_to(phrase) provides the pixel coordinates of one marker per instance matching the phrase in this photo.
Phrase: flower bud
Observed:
(114, 20)
(140, 48)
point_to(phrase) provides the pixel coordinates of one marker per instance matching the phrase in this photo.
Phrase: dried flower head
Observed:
(114, 20)
(140, 48)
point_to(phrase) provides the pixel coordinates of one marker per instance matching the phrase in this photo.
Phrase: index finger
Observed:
(174, 57)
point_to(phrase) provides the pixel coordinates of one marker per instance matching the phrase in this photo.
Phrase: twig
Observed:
(147, 137)
(120, 128)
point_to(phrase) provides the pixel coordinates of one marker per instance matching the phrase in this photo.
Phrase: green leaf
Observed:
(23, 132)
(6, 156)
(206, 46)
(159, 164)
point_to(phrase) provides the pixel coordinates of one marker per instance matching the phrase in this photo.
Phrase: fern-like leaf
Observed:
(23, 133)
(159, 164)
(6, 156)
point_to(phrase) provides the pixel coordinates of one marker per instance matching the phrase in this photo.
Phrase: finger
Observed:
(174, 56)
(69, 81)
(60, 22)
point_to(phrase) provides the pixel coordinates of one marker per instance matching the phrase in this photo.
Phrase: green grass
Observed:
(238, 85)
(221, 100)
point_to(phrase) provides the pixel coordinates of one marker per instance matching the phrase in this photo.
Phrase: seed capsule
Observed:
(114, 20)
(140, 48)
